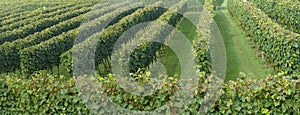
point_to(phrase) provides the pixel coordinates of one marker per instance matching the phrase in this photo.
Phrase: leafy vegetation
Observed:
(273, 95)
(9, 52)
(146, 53)
(110, 35)
(284, 12)
(27, 21)
(36, 38)
(40, 25)
(33, 58)
(217, 2)
(280, 46)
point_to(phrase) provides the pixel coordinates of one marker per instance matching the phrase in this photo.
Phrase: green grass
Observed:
(169, 58)
(241, 56)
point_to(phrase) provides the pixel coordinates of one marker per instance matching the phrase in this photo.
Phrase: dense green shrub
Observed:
(218, 2)
(27, 21)
(9, 51)
(109, 36)
(40, 25)
(33, 58)
(284, 12)
(11, 15)
(273, 95)
(39, 94)
(281, 47)
(146, 53)
(43, 93)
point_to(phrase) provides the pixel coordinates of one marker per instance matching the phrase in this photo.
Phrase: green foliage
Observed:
(273, 95)
(13, 12)
(208, 5)
(109, 36)
(201, 1)
(103, 18)
(102, 9)
(280, 47)
(35, 16)
(218, 2)
(33, 58)
(129, 101)
(39, 94)
(43, 93)
(145, 54)
(284, 12)
(46, 54)
(201, 41)
(202, 56)
(46, 94)
(40, 25)
(9, 51)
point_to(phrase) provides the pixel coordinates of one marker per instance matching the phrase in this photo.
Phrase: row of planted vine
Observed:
(284, 12)
(281, 47)
(32, 14)
(10, 51)
(146, 53)
(104, 40)
(40, 25)
(273, 95)
(23, 10)
(27, 21)
(33, 58)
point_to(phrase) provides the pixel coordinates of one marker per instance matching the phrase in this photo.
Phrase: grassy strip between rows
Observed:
(169, 59)
(240, 54)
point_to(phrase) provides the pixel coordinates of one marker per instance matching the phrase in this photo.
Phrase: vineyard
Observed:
(209, 56)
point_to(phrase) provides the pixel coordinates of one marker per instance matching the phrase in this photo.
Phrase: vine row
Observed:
(33, 58)
(110, 35)
(20, 33)
(281, 47)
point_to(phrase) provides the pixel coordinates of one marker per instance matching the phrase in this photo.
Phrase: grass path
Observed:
(170, 59)
(241, 56)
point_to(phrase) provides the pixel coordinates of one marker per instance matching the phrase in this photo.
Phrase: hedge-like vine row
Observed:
(281, 47)
(145, 53)
(46, 94)
(32, 58)
(40, 25)
(284, 12)
(110, 35)
(33, 19)
(98, 13)
(30, 14)
(270, 96)
(9, 52)
(97, 25)
(11, 9)
(14, 11)
(201, 41)
(40, 94)
(202, 55)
